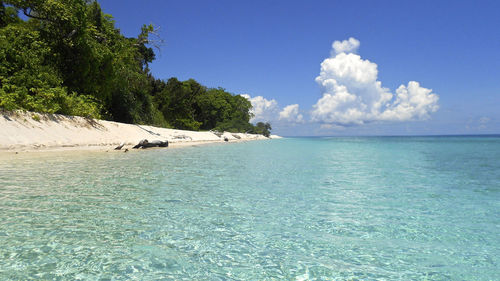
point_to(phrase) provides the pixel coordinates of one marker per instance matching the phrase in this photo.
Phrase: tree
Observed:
(8, 15)
(263, 129)
(69, 58)
(29, 81)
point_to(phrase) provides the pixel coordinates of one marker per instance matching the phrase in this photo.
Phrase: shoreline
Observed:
(39, 132)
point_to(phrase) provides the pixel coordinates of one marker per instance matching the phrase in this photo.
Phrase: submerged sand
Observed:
(27, 131)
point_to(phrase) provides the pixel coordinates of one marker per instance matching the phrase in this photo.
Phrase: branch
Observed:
(156, 43)
(28, 14)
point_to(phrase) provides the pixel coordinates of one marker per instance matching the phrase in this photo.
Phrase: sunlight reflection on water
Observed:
(373, 208)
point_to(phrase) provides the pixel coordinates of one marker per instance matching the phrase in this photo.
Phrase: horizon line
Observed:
(431, 135)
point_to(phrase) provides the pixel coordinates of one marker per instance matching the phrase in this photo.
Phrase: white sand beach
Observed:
(28, 131)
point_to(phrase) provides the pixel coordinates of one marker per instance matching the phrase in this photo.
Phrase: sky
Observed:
(336, 67)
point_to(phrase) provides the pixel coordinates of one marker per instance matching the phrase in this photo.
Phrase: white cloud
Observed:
(291, 113)
(347, 46)
(352, 95)
(331, 127)
(484, 120)
(263, 109)
(478, 123)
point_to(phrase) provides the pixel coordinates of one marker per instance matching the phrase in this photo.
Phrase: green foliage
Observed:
(176, 100)
(28, 82)
(69, 58)
(189, 105)
(263, 129)
(8, 15)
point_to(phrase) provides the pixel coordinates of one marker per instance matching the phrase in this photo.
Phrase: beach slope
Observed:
(26, 131)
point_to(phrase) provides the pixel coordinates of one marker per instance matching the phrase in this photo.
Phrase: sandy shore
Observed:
(27, 131)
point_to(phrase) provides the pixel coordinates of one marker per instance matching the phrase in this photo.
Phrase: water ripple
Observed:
(294, 209)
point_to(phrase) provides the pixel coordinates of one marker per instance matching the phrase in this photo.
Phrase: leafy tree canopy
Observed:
(69, 58)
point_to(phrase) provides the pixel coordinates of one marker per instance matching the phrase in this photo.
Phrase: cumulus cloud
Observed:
(347, 46)
(291, 114)
(264, 110)
(352, 95)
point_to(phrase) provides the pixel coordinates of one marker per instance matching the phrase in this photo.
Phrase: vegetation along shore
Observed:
(68, 58)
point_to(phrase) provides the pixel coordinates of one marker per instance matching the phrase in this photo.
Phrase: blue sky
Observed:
(275, 49)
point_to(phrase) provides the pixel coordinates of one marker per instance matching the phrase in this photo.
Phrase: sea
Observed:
(322, 208)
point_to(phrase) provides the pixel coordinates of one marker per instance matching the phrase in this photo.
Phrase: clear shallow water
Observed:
(410, 208)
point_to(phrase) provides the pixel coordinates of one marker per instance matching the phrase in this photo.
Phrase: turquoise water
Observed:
(375, 208)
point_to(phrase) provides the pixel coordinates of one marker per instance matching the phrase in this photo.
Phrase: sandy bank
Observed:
(26, 131)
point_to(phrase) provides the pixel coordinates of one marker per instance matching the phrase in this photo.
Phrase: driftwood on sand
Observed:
(120, 146)
(146, 144)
